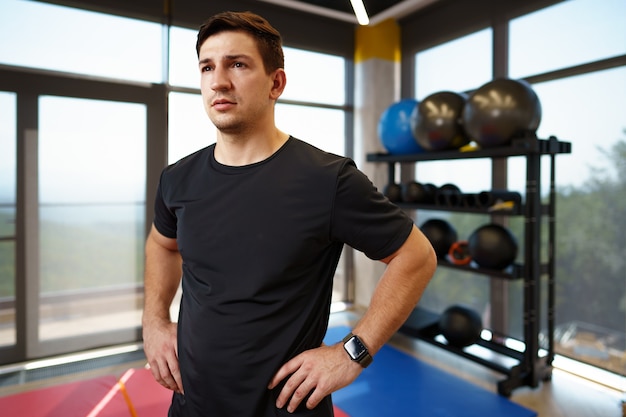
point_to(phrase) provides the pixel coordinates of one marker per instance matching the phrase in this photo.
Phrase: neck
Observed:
(237, 150)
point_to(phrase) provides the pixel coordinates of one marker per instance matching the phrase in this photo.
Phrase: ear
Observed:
(279, 81)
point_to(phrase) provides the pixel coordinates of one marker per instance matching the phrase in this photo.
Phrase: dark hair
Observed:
(267, 38)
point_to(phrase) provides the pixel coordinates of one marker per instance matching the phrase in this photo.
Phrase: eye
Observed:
(206, 68)
(239, 65)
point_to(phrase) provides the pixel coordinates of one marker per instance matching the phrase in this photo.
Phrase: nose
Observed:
(219, 79)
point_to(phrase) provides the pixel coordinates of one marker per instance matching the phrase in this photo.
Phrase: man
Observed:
(255, 224)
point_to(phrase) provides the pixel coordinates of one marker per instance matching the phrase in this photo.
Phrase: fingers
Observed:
(295, 388)
(175, 372)
(313, 375)
(284, 371)
(303, 387)
(162, 352)
(167, 373)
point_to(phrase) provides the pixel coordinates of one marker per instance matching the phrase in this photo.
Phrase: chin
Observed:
(230, 128)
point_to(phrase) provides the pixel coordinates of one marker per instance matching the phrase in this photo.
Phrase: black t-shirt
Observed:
(260, 244)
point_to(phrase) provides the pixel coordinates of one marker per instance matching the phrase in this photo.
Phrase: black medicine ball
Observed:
(441, 235)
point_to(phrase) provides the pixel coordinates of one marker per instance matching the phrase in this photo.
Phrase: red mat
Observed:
(135, 394)
(140, 395)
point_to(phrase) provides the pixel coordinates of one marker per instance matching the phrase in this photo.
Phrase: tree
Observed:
(590, 247)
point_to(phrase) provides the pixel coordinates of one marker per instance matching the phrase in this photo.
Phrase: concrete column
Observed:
(377, 85)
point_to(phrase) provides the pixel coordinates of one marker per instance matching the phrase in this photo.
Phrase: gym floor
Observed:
(566, 395)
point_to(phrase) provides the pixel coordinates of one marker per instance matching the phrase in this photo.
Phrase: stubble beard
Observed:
(228, 124)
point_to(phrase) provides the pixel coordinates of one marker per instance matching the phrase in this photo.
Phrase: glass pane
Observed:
(314, 77)
(438, 69)
(59, 38)
(471, 176)
(92, 176)
(8, 158)
(590, 214)
(590, 98)
(566, 34)
(189, 128)
(183, 60)
(324, 128)
(8, 135)
(7, 293)
(459, 65)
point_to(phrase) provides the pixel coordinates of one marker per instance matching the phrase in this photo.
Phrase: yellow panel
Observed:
(381, 41)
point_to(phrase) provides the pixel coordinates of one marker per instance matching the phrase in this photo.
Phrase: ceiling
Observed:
(378, 10)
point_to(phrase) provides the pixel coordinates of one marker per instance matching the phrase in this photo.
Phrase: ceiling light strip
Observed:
(400, 10)
(318, 10)
(360, 12)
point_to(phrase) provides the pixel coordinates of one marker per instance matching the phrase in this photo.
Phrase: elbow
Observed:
(430, 260)
(426, 263)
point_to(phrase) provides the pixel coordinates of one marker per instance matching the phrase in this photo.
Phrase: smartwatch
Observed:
(357, 350)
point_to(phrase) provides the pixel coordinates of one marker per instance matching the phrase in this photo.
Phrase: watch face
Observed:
(355, 348)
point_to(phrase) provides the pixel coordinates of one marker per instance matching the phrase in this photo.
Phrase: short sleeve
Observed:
(364, 218)
(164, 217)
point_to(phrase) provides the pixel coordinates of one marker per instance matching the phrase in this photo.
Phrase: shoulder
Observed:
(310, 155)
(189, 164)
(183, 174)
(191, 159)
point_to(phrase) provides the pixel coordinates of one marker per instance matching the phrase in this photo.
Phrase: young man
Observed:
(255, 225)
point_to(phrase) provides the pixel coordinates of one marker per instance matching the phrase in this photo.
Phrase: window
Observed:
(566, 34)
(587, 111)
(91, 161)
(83, 244)
(92, 182)
(183, 60)
(591, 184)
(321, 127)
(437, 69)
(189, 126)
(8, 158)
(80, 42)
(8, 166)
(459, 65)
(314, 77)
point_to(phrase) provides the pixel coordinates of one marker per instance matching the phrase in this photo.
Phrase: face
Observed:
(237, 92)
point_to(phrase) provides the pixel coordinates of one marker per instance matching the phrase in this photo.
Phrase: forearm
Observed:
(398, 291)
(161, 279)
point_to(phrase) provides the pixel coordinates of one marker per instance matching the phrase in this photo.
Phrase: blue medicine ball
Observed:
(394, 128)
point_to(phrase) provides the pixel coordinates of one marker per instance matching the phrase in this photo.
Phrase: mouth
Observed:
(221, 102)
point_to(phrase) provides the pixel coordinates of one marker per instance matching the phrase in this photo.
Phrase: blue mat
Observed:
(399, 385)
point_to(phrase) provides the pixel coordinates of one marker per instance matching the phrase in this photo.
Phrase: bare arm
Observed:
(328, 368)
(161, 279)
(408, 272)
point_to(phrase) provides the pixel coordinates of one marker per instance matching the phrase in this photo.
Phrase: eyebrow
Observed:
(226, 58)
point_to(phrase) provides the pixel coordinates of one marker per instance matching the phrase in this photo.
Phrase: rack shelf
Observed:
(423, 324)
(515, 211)
(515, 271)
(518, 147)
(532, 364)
